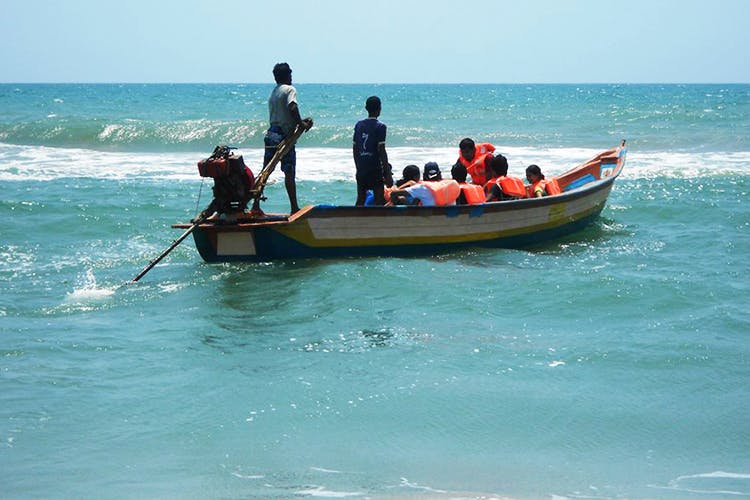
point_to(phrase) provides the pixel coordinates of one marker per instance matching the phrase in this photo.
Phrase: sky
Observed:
(377, 41)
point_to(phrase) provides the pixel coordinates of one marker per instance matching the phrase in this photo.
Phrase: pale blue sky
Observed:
(377, 41)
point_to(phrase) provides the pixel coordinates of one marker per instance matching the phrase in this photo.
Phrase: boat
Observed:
(331, 231)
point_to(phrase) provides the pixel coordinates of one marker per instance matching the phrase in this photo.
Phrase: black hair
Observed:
(373, 104)
(410, 173)
(534, 170)
(458, 172)
(466, 143)
(499, 165)
(282, 72)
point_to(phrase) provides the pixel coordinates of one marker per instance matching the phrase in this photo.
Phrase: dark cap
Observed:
(431, 171)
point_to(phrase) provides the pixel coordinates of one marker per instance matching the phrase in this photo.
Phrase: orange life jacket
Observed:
(474, 194)
(488, 185)
(549, 187)
(445, 191)
(511, 186)
(538, 185)
(475, 167)
(552, 186)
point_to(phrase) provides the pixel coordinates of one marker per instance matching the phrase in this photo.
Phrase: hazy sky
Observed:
(376, 41)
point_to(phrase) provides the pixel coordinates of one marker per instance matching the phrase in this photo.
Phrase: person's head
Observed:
(410, 173)
(468, 148)
(534, 174)
(373, 105)
(499, 165)
(432, 172)
(282, 73)
(458, 172)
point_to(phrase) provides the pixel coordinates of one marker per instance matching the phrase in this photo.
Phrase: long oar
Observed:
(256, 193)
(203, 216)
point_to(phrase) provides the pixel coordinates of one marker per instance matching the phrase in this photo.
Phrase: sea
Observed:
(611, 363)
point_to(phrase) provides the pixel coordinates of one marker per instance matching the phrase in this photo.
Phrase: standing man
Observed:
(370, 157)
(284, 118)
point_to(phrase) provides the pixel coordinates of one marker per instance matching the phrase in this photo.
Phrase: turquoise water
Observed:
(194, 118)
(610, 364)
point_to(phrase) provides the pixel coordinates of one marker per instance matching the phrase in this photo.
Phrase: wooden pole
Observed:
(256, 193)
(203, 216)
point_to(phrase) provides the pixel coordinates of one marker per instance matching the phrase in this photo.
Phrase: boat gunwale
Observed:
(323, 211)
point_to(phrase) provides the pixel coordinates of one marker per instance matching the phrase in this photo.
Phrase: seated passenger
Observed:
(502, 187)
(473, 156)
(470, 193)
(409, 176)
(433, 191)
(539, 185)
(431, 172)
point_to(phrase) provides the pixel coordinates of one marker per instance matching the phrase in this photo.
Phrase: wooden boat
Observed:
(324, 231)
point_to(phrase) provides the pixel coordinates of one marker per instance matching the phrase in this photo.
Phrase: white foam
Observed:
(320, 491)
(327, 164)
(16, 260)
(327, 471)
(336, 164)
(89, 294)
(716, 474)
(89, 291)
(683, 483)
(408, 484)
(250, 476)
(44, 164)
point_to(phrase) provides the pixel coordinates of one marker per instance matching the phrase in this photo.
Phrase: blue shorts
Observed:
(370, 176)
(271, 139)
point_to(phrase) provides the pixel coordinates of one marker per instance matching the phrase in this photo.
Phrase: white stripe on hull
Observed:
(236, 243)
(463, 225)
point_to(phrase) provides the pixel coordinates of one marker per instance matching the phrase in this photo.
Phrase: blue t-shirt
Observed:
(368, 134)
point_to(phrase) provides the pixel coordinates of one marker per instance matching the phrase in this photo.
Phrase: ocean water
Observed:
(614, 363)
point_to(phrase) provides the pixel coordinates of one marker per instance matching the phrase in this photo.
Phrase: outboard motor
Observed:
(233, 180)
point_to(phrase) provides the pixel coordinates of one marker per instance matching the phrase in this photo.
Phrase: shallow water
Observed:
(609, 364)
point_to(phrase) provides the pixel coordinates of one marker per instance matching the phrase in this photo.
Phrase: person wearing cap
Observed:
(419, 193)
(284, 118)
(370, 156)
(433, 191)
(431, 172)
(413, 192)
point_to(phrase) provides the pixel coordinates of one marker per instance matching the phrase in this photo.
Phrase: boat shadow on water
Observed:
(598, 234)
(241, 340)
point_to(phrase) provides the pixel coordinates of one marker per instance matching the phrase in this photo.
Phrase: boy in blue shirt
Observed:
(370, 157)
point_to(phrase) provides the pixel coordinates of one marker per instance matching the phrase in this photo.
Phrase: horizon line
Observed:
(359, 83)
